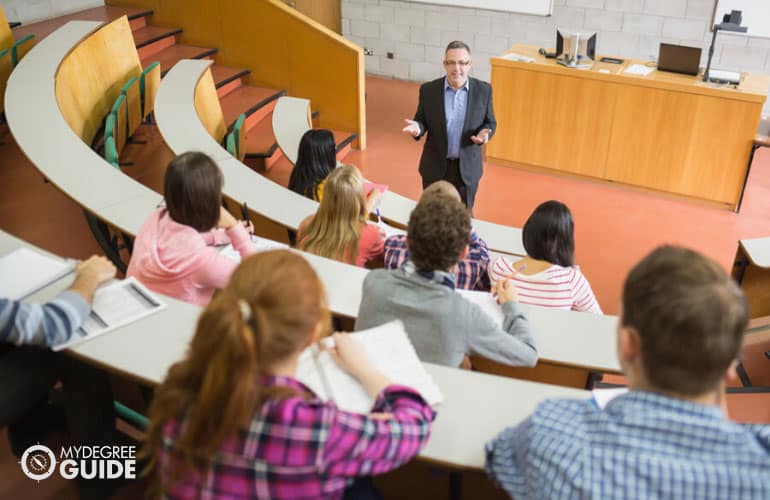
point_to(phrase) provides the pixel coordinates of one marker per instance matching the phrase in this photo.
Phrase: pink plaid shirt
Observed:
(304, 448)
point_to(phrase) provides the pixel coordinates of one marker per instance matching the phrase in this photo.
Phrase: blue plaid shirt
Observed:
(642, 445)
(470, 273)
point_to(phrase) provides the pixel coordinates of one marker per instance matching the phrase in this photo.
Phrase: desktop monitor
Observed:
(679, 59)
(575, 50)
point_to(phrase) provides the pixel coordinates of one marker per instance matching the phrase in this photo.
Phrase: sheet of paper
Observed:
(486, 301)
(604, 396)
(368, 186)
(25, 271)
(390, 230)
(389, 350)
(512, 56)
(639, 70)
(116, 304)
(262, 244)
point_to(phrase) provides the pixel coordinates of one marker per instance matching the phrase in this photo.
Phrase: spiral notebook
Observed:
(389, 350)
(25, 271)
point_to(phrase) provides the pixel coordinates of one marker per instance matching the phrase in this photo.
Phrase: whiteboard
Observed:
(756, 15)
(536, 7)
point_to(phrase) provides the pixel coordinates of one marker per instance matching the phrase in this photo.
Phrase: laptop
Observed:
(679, 59)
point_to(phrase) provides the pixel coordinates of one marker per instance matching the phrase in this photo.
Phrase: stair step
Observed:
(256, 102)
(171, 55)
(149, 34)
(227, 79)
(260, 141)
(344, 142)
(136, 17)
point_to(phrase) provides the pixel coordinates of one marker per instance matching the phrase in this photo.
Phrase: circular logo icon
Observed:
(38, 462)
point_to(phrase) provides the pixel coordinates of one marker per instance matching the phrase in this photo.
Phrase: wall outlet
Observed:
(390, 55)
(368, 52)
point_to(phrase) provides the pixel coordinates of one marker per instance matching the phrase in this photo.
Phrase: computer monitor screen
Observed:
(679, 59)
(575, 49)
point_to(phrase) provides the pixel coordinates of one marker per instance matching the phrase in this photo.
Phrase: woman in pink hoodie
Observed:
(173, 252)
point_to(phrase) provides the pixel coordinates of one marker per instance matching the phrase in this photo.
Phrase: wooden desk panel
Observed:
(575, 112)
(681, 143)
(664, 131)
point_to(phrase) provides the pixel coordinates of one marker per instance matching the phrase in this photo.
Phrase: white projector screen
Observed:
(536, 7)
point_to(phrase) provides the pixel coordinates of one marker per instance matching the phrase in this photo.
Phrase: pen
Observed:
(245, 211)
(379, 217)
(321, 372)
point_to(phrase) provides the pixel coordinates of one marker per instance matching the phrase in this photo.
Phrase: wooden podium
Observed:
(662, 132)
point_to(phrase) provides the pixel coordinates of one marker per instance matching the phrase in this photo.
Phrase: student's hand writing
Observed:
(226, 219)
(373, 199)
(248, 225)
(412, 127)
(482, 137)
(349, 354)
(505, 291)
(96, 268)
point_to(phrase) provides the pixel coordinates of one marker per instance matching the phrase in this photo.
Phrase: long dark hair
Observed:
(315, 159)
(549, 234)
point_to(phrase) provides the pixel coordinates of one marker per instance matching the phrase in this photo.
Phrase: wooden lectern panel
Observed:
(681, 143)
(573, 120)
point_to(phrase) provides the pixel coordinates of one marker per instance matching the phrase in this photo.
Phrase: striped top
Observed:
(47, 324)
(556, 287)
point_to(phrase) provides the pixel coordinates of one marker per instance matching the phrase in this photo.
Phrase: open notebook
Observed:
(116, 304)
(25, 271)
(486, 301)
(262, 244)
(389, 350)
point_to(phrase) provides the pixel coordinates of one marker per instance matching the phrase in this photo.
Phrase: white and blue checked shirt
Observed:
(48, 324)
(455, 102)
(641, 446)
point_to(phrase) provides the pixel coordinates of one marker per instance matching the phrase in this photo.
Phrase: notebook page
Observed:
(389, 350)
(262, 244)
(486, 301)
(116, 304)
(25, 271)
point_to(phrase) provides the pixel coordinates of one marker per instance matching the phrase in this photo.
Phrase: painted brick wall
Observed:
(28, 11)
(417, 33)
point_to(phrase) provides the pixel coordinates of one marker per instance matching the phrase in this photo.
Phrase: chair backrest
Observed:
(230, 144)
(109, 126)
(239, 134)
(111, 152)
(21, 47)
(133, 105)
(5, 72)
(149, 82)
(121, 121)
(6, 34)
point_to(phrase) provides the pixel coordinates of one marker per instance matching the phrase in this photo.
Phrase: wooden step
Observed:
(150, 34)
(255, 102)
(171, 55)
(227, 79)
(344, 142)
(136, 17)
(260, 141)
(150, 40)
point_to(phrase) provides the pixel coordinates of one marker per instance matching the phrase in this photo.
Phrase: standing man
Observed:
(456, 111)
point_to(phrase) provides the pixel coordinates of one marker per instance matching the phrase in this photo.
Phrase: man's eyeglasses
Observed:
(462, 64)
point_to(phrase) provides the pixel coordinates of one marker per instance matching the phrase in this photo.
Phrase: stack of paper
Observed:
(389, 350)
(638, 69)
(115, 304)
(25, 271)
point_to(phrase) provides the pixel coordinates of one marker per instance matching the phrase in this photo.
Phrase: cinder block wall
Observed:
(416, 33)
(29, 11)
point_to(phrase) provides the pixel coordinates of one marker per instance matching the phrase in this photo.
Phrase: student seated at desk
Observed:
(231, 421)
(679, 335)
(173, 252)
(548, 276)
(316, 158)
(443, 326)
(470, 273)
(339, 230)
(28, 371)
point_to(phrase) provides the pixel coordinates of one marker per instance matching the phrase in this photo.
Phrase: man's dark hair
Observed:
(439, 229)
(457, 44)
(690, 316)
(549, 234)
(192, 189)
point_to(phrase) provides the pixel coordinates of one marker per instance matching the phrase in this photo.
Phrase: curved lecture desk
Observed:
(751, 270)
(662, 132)
(476, 406)
(183, 131)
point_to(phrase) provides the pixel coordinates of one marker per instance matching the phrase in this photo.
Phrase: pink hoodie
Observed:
(178, 261)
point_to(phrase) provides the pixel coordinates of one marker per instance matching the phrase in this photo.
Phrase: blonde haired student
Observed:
(339, 229)
(231, 421)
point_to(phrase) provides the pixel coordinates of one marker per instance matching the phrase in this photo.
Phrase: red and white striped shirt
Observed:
(556, 287)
